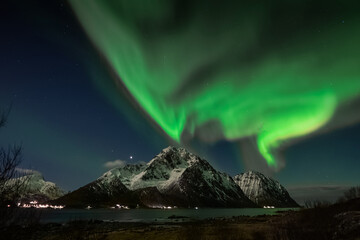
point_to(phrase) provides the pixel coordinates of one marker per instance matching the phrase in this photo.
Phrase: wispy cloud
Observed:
(25, 171)
(115, 163)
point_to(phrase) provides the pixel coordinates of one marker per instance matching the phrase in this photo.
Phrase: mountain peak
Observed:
(173, 149)
(170, 149)
(254, 172)
(174, 157)
(177, 172)
(36, 176)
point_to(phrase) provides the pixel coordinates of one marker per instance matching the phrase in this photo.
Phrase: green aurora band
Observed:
(233, 70)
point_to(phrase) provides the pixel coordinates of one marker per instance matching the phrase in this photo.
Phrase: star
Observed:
(131, 157)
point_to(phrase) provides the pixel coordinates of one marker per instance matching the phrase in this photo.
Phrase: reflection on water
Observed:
(150, 215)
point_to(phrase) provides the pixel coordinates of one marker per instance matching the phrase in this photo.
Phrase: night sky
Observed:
(272, 86)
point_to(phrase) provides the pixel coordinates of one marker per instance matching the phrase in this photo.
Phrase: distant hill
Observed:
(36, 188)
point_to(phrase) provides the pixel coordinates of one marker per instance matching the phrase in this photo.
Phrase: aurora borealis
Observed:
(274, 71)
(266, 86)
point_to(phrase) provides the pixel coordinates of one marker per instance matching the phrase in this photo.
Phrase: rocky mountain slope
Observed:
(174, 177)
(94, 194)
(263, 190)
(190, 180)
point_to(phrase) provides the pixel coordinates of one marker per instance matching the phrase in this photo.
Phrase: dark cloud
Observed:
(329, 193)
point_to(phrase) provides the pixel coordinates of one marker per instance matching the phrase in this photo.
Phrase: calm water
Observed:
(148, 215)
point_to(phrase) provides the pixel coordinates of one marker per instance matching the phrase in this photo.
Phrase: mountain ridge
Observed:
(174, 177)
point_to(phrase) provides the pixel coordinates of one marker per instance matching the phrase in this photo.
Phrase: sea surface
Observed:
(150, 215)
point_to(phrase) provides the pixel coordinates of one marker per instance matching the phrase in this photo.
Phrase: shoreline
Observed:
(153, 215)
(338, 221)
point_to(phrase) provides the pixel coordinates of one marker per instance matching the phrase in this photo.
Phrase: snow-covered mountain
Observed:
(36, 188)
(263, 190)
(173, 177)
(189, 180)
